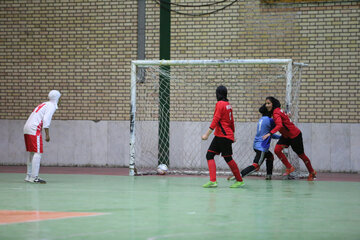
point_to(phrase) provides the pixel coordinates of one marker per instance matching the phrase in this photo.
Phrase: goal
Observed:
(172, 105)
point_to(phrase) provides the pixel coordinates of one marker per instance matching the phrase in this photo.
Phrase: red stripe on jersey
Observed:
(39, 128)
(39, 107)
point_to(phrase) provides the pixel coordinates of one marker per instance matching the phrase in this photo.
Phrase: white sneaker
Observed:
(27, 178)
(36, 180)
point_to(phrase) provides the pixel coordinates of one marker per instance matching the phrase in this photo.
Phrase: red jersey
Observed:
(284, 125)
(223, 121)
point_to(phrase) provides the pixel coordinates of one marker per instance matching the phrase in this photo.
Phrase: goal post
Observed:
(191, 100)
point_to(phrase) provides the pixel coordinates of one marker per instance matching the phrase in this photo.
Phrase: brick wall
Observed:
(84, 49)
(326, 35)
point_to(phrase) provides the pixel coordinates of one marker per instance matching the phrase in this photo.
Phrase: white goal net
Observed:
(173, 101)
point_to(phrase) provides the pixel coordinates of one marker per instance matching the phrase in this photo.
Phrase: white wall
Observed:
(330, 147)
(80, 143)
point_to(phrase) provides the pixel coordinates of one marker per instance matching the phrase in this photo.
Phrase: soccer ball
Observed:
(162, 169)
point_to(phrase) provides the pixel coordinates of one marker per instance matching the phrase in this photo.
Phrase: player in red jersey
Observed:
(290, 136)
(223, 123)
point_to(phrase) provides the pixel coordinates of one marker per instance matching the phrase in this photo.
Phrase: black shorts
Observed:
(221, 145)
(296, 143)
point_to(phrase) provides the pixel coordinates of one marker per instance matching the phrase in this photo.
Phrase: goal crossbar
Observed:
(145, 63)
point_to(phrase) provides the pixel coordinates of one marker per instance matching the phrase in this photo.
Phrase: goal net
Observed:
(172, 106)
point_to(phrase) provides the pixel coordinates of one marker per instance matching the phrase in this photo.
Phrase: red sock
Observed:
(278, 151)
(235, 170)
(307, 162)
(212, 169)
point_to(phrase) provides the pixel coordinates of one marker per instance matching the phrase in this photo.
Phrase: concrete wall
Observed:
(72, 143)
(330, 146)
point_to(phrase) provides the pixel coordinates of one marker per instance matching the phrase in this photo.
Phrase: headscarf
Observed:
(54, 96)
(263, 110)
(221, 93)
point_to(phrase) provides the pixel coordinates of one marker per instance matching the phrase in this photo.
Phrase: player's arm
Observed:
(216, 119)
(275, 136)
(232, 125)
(48, 116)
(278, 122)
(272, 125)
(207, 134)
(47, 134)
(47, 121)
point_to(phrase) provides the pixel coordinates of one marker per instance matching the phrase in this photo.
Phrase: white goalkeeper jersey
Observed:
(39, 118)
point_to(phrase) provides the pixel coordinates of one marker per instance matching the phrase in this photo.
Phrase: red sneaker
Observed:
(312, 176)
(288, 171)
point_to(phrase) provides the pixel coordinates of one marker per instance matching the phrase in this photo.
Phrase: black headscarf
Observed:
(221, 93)
(263, 110)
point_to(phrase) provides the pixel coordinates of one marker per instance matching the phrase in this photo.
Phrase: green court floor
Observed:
(164, 207)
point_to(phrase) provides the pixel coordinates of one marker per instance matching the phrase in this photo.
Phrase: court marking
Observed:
(20, 216)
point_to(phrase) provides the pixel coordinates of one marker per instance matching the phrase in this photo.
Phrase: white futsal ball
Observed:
(162, 169)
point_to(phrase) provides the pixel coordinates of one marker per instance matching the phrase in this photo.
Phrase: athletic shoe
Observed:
(268, 177)
(39, 180)
(27, 178)
(288, 171)
(210, 184)
(237, 184)
(231, 178)
(312, 176)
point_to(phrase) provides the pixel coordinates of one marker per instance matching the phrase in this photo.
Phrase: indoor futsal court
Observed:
(179, 119)
(105, 204)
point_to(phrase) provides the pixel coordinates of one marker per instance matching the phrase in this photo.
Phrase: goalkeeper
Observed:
(261, 146)
(223, 123)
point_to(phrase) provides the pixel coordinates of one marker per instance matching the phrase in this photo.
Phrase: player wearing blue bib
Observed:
(261, 147)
